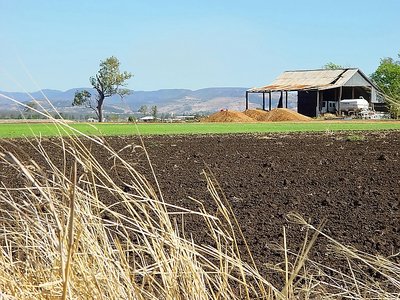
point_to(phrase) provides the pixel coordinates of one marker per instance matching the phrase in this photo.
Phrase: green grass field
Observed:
(16, 130)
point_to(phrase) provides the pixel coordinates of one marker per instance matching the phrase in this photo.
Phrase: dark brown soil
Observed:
(350, 179)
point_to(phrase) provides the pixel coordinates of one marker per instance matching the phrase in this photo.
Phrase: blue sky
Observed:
(58, 44)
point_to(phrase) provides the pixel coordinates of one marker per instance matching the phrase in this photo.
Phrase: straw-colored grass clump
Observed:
(60, 241)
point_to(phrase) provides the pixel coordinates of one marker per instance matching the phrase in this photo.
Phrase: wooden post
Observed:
(269, 95)
(280, 102)
(286, 96)
(247, 100)
(263, 100)
(317, 108)
(340, 98)
(322, 101)
(352, 93)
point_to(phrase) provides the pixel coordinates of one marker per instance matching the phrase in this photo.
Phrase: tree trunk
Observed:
(100, 107)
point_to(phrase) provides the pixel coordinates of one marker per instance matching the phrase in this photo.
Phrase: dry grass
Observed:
(58, 240)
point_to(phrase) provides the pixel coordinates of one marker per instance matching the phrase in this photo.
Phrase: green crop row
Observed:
(17, 130)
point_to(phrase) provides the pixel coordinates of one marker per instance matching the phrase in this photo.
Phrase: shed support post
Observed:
(269, 96)
(286, 97)
(263, 100)
(340, 98)
(373, 95)
(352, 93)
(247, 100)
(317, 108)
(322, 101)
(280, 103)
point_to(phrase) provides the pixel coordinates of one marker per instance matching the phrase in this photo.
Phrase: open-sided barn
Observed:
(320, 91)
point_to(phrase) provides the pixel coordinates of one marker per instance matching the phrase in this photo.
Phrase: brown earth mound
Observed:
(256, 114)
(284, 114)
(228, 116)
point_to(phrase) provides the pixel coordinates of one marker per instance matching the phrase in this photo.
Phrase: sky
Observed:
(58, 44)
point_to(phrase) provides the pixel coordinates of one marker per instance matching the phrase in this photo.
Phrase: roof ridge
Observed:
(310, 70)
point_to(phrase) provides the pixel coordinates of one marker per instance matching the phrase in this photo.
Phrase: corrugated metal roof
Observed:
(342, 78)
(308, 80)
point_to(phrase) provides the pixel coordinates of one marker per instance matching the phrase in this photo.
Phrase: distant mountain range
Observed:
(177, 101)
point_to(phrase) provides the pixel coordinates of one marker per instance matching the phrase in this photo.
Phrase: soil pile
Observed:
(256, 114)
(284, 114)
(228, 116)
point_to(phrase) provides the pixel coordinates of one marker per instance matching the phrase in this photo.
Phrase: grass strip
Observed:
(18, 130)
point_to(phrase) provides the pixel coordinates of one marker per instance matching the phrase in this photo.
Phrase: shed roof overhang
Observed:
(312, 80)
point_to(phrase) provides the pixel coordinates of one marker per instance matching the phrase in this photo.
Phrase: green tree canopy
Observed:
(154, 111)
(332, 66)
(108, 81)
(143, 110)
(31, 106)
(387, 77)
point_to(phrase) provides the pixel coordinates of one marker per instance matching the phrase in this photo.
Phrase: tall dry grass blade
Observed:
(70, 228)
(287, 283)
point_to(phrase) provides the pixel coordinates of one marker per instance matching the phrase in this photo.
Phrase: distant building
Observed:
(320, 91)
(147, 119)
(183, 118)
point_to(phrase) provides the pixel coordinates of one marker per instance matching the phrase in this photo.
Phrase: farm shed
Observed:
(320, 91)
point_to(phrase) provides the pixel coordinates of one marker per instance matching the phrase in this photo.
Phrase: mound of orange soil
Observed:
(228, 116)
(284, 114)
(256, 114)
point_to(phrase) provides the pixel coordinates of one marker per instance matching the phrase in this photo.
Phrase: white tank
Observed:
(354, 105)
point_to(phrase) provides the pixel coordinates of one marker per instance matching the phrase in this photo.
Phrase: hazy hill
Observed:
(178, 101)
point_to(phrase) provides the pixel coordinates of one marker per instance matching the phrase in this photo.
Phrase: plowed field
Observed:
(350, 179)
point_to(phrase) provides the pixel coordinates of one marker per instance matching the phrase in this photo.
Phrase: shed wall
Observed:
(357, 80)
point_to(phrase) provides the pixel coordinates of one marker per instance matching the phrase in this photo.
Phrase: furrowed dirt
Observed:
(351, 180)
